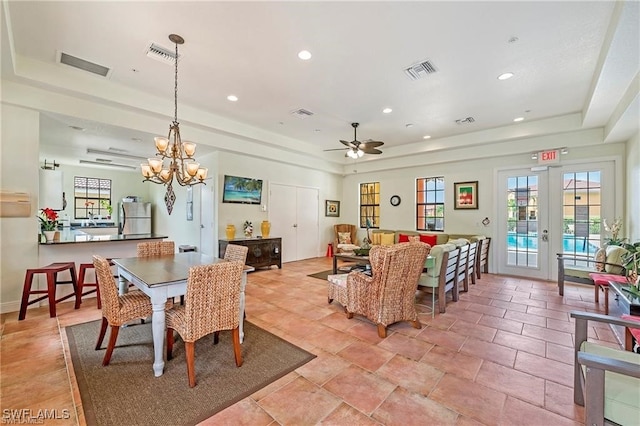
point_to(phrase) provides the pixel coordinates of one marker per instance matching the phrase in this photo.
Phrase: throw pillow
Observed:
(414, 238)
(432, 240)
(344, 237)
(402, 238)
(375, 238)
(387, 239)
(601, 256)
(614, 255)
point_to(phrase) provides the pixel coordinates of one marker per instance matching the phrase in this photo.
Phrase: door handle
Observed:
(201, 226)
(295, 225)
(545, 235)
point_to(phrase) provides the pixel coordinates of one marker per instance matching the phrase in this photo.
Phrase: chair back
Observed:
(396, 270)
(236, 253)
(483, 256)
(212, 301)
(155, 248)
(108, 288)
(471, 262)
(461, 268)
(449, 270)
(344, 228)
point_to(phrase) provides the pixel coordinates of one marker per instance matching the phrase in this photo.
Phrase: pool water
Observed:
(569, 244)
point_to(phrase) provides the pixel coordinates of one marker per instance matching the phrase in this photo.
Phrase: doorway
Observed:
(294, 216)
(208, 211)
(555, 210)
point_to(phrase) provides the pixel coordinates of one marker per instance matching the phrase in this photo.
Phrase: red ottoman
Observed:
(601, 280)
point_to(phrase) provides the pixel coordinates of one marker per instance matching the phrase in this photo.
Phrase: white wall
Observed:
(19, 172)
(632, 209)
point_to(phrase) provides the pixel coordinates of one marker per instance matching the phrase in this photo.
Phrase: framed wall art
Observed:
(332, 208)
(466, 195)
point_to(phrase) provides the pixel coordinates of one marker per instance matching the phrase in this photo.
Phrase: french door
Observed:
(557, 210)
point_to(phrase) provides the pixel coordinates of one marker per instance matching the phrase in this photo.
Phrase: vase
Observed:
(231, 232)
(265, 227)
(49, 235)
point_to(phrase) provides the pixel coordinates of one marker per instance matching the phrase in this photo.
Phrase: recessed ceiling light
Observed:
(408, 125)
(232, 98)
(317, 130)
(136, 139)
(78, 128)
(518, 119)
(387, 110)
(305, 55)
(426, 137)
(505, 76)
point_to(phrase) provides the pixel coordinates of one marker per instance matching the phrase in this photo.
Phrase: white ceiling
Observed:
(569, 57)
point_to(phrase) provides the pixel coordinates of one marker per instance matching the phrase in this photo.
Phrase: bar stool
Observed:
(52, 283)
(81, 284)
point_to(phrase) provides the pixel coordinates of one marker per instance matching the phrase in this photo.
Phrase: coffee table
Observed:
(348, 258)
(629, 303)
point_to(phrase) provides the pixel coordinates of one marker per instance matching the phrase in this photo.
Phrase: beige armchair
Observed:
(388, 295)
(343, 242)
(577, 268)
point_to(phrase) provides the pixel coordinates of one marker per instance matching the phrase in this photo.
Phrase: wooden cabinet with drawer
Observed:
(263, 252)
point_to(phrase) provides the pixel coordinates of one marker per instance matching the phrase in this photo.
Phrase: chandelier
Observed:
(182, 166)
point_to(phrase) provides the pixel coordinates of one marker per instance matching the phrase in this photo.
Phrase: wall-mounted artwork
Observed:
(332, 208)
(466, 195)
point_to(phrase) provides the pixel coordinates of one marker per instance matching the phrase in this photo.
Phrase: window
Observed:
(430, 204)
(581, 204)
(370, 205)
(91, 197)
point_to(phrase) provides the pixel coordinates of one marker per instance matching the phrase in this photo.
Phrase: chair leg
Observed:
(191, 372)
(52, 277)
(113, 336)
(103, 331)
(349, 314)
(606, 299)
(416, 324)
(169, 343)
(382, 331)
(236, 346)
(216, 337)
(26, 291)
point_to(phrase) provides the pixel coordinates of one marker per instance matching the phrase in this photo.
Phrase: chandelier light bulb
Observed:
(146, 170)
(202, 173)
(155, 164)
(189, 148)
(161, 143)
(192, 168)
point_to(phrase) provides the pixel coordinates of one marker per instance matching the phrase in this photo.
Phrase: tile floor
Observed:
(502, 355)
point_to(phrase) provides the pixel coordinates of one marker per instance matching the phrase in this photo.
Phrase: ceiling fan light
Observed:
(352, 154)
(360, 153)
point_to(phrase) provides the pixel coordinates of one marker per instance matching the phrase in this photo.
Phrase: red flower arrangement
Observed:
(48, 219)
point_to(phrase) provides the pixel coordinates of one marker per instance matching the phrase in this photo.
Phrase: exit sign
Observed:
(549, 157)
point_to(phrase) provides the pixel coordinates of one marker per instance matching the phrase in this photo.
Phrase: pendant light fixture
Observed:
(182, 166)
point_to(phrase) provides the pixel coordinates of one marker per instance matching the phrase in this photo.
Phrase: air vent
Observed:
(465, 120)
(161, 54)
(302, 113)
(75, 62)
(103, 160)
(420, 69)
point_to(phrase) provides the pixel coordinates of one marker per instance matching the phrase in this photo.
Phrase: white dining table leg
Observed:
(158, 330)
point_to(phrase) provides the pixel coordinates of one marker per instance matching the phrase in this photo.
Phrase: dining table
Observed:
(164, 277)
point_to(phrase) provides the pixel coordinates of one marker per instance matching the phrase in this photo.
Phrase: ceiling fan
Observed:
(356, 149)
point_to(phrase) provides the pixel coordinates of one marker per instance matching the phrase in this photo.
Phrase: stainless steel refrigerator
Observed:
(135, 218)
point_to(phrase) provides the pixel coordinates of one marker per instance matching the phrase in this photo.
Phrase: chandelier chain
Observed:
(175, 90)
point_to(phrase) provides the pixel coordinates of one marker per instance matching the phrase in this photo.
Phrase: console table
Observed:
(263, 252)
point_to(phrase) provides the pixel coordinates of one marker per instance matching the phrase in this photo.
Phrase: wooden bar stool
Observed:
(82, 284)
(52, 283)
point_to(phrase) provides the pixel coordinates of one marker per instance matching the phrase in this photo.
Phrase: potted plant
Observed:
(105, 204)
(631, 262)
(48, 223)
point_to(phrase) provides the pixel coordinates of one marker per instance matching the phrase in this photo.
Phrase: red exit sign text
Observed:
(549, 157)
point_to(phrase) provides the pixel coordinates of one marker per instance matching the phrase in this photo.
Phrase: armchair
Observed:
(345, 238)
(606, 380)
(388, 295)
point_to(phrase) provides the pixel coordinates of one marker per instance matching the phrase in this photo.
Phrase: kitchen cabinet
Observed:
(51, 189)
(263, 252)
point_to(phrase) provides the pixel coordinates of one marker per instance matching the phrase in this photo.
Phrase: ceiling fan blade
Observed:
(372, 151)
(370, 145)
(335, 149)
(349, 144)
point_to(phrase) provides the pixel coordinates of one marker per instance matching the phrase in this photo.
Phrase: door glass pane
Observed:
(522, 221)
(581, 209)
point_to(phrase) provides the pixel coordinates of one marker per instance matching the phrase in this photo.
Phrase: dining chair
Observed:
(155, 248)
(236, 253)
(116, 309)
(212, 304)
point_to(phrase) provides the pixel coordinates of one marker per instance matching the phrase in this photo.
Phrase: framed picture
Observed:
(332, 208)
(466, 195)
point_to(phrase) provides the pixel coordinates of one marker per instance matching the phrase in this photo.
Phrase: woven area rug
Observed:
(321, 275)
(127, 393)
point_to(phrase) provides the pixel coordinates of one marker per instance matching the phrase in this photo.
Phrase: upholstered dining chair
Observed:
(155, 248)
(212, 303)
(116, 309)
(235, 253)
(388, 295)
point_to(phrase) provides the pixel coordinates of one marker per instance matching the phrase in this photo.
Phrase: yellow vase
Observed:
(265, 227)
(231, 232)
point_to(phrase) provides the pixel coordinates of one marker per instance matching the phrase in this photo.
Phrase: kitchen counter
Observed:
(95, 234)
